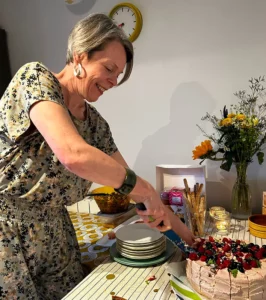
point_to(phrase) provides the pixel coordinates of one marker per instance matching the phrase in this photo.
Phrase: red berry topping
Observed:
(226, 262)
(225, 240)
(259, 254)
(239, 254)
(208, 252)
(211, 239)
(253, 264)
(193, 256)
(226, 248)
(203, 258)
(238, 242)
(246, 266)
(248, 256)
(222, 266)
(239, 259)
(201, 249)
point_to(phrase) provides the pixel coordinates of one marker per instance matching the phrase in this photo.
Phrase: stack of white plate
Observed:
(138, 241)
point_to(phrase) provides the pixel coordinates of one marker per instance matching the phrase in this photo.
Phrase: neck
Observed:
(74, 102)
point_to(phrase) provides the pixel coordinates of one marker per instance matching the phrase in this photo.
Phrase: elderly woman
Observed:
(53, 146)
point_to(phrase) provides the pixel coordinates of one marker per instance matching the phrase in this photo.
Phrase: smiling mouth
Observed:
(100, 88)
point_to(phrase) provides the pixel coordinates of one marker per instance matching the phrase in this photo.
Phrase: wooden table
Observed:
(129, 283)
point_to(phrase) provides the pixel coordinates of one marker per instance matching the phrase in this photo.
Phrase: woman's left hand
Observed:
(155, 214)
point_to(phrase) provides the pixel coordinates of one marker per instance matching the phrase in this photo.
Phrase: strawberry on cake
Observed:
(227, 269)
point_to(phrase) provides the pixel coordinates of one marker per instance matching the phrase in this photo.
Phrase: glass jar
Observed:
(216, 210)
(222, 223)
(241, 196)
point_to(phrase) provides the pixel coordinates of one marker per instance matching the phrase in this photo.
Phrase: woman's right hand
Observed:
(155, 214)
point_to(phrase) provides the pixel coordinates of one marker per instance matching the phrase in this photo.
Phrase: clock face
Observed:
(125, 18)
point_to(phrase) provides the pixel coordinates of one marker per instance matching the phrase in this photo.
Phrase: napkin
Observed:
(179, 282)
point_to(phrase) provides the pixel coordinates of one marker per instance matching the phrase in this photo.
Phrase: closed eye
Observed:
(108, 69)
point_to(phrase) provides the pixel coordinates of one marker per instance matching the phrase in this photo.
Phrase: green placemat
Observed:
(170, 250)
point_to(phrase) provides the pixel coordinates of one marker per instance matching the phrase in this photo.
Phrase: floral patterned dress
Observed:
(39, 255)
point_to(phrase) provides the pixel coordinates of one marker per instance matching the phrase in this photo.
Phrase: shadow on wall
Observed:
(81, 7)
(219, 185)
(173, 143)
(256, 176)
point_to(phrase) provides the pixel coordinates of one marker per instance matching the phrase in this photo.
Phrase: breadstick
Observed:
(186, 186)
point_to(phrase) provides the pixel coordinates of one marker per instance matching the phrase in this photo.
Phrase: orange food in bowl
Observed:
(113, 202)
(257, 225)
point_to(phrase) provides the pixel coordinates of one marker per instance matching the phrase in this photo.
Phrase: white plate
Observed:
(139, 257)
(143, 246)
(138, 234)
(140, 253)
(106, 242)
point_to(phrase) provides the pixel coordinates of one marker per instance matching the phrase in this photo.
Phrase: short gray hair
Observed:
(93, 33)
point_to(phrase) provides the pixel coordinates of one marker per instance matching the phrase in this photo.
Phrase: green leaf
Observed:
(234, 272)
(211, 262)
(260, 156)
(226, 165)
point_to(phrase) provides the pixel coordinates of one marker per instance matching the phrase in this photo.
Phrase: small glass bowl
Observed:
(222, 223)
(216, 210)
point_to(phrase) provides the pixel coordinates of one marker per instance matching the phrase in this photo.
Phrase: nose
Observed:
(113, 81)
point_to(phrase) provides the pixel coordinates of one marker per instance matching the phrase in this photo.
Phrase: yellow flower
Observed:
(231, 115)
(255, 121)
(202, 149)
(240, 117)
(226, 122)
(245, 124)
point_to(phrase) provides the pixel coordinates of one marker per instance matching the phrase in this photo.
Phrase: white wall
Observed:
(190, 58)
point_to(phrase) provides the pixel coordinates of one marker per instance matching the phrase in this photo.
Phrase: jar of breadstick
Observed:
(195, 208)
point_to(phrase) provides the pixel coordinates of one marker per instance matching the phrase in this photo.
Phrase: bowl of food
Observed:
(110, 202)
(257, 225)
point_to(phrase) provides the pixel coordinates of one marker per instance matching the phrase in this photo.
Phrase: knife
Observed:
(141, 206)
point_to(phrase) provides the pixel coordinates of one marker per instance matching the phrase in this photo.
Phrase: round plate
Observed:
(138, 234)
(142, 253)
(170, 250)
(140, 246)
(142, 257)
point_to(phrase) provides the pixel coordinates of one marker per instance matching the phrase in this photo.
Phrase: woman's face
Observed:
(100, 72)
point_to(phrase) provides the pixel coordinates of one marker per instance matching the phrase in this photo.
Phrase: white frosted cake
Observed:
(227, 269)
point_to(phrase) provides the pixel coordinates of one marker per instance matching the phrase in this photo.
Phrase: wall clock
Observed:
(72, 2)
(128, 17)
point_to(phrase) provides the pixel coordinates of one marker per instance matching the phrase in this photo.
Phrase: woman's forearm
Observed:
(94, 165)
(87, 162)
(177, 225)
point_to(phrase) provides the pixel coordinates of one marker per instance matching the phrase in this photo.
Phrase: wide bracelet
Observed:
(129, 183)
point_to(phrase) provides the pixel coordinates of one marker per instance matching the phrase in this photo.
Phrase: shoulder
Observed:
(95, 116)
(33, 70)
(92, 110)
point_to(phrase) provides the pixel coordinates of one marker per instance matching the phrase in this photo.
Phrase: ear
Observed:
(79, 58)
(76, 58)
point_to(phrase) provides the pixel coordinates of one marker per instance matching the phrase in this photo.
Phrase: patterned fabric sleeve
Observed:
(103, 138)
(32, 83)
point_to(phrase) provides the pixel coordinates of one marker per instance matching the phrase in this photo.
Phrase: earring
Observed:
(77, 70)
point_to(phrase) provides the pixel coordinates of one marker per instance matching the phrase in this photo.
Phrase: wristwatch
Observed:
(129, 182)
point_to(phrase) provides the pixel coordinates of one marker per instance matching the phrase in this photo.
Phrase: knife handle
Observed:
(141, 206)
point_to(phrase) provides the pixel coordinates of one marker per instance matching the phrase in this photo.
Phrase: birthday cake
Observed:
(227, 269)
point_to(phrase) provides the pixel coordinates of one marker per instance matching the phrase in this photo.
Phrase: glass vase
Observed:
(241, 197)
